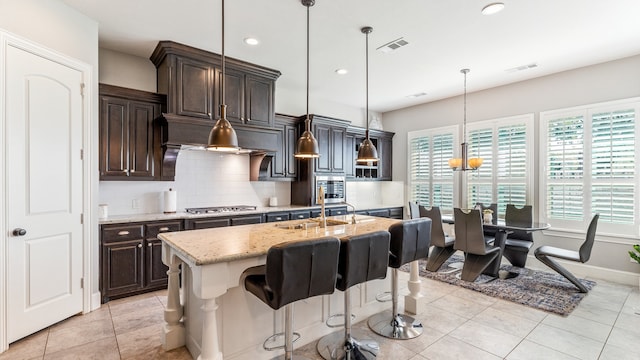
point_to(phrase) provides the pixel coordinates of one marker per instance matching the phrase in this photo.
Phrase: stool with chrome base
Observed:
(294, 271)
(362, 258)
(410, 241)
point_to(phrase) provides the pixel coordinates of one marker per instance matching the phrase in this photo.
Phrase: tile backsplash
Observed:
(203, 178)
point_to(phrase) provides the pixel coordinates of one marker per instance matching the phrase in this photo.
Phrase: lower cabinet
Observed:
(131, 258)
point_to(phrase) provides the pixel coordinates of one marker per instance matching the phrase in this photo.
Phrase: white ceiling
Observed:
(444, 36)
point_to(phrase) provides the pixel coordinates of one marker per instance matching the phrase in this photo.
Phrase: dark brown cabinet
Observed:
(191, 79)
(131, 258)
(284, 165)
(127, 133)
(380, 170)
(331, 141)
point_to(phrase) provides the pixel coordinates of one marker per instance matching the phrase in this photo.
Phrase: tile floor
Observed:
(458, 324)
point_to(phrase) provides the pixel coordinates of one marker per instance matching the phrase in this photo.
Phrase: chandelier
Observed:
(464, 163)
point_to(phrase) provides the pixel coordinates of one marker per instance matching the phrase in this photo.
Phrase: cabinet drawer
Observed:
(207, 223)
(380, 213)
(154, 229)
(297, 215)
(122, 232)
(396, 213)
(337, 211)
(245, 220)
(277, 216)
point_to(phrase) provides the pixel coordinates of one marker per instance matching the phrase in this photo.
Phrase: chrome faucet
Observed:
(353, 214)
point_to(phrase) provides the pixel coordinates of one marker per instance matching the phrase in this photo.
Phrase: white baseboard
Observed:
(95, 300)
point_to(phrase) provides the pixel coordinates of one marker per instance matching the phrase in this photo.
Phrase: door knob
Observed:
(19, 232)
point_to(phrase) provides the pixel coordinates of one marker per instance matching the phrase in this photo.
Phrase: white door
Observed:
(44, 110)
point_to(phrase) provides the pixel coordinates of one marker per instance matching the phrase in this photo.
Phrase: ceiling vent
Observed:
(522, 67)
(393, 45)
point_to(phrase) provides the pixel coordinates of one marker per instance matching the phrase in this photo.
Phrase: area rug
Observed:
(538, 289)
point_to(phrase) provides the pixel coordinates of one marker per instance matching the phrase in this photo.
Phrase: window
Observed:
(431, 181)
(588, 156)
(505, 145)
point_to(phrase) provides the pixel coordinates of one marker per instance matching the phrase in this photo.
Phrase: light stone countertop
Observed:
(119, 219)
(216, 245)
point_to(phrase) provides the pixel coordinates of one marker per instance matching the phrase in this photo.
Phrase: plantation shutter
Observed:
(613, 165)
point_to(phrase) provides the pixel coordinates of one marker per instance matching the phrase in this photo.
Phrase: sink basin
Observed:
(309, 223)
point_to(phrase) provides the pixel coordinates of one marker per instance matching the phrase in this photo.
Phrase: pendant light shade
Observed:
(222, 136)
(307, 145)
(367, 152)
(464, 163)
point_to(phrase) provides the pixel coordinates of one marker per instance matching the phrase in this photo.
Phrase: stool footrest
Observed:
(273, 338)
(384, 296)
(329, 324)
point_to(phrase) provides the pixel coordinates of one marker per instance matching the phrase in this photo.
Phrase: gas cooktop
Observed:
(219, 209)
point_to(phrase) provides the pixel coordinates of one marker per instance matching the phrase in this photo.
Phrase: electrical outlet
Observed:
(134, 204)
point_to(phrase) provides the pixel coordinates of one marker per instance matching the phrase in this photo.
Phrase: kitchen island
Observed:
(210, 312)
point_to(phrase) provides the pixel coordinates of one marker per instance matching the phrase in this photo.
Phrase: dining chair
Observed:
(470, 239)
(518, 243)
(414, 211)
(442, 244)
(546, 253)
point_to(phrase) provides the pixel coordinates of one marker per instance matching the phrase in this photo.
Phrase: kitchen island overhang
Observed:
(213, 315)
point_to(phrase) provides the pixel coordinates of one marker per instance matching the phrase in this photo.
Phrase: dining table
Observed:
(502, 229)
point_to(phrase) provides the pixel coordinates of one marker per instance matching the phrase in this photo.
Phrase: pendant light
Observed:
(367, 151)
(462, 164)
(222, 136)
(307, 145)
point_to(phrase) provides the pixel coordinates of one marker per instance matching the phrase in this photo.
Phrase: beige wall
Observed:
(604, 82)
(126, 70)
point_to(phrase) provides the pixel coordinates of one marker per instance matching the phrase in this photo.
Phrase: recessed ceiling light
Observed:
(342, 71)
(251, 41)
(492, 8)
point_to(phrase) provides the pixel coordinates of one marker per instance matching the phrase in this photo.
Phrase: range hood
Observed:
(177, 131)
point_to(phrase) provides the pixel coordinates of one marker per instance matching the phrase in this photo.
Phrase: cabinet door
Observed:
(379, 212)
(278, 162)
(122, 268)
(155, 269)
(337, 149)
(385, 161)
(234, 87)
(350, 156)
(113, 137)
(194, 88)
(259, 101)
(140, 148)
(323, 136)
(291, 138)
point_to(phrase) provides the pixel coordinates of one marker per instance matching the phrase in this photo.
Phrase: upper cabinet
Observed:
(331, 136)
(192, 79)
(380, 170)
(127, 134)
(283, 164)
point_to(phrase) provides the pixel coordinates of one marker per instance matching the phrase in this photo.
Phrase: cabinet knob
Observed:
(300, 216)
(248, 119)
(140, 245)
(278, 218)
(19, 232)
(149, 245)
(163, 229)
(123, 233)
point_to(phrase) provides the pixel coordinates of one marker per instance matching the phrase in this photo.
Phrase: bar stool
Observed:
(410, 241)
(362, 258)
(294, 270)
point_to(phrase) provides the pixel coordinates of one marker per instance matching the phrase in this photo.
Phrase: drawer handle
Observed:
(338, 212)
(278, 218)
(300, 216)
(164, 228)
(123, 233)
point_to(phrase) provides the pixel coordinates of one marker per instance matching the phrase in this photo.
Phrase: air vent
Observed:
(393, 45)
(522, 67)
